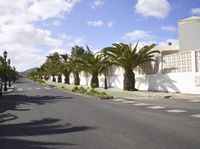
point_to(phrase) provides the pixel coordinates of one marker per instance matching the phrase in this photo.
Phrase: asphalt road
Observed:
(38, 117)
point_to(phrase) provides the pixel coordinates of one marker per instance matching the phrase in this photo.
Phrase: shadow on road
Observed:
(12, 101)
(11, 133)
(36, 128)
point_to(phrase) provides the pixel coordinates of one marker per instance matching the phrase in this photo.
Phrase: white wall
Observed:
(183, 82)
(173, 82)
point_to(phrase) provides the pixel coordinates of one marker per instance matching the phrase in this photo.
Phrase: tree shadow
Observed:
(44, 127)
(159, 82)
(19, 135)
(12, 101)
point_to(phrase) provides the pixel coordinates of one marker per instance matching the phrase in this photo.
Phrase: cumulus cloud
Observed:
(75, 41)
(138, 35)
(19, 34)
(97, 23)
(169, 28)
(60, 51)
(195, 11)
(154, 8)
(110, 24)
(100, 23)
(97, 3)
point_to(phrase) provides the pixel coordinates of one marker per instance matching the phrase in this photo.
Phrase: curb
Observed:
(10, 90)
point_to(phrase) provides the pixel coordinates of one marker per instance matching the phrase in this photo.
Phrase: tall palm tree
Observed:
(67, 68)
(93, 64)
(128, 57)
(53, 65)
(77, 53)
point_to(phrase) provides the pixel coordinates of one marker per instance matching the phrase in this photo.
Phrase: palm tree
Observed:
(94, 65)
(53, 65)
(129, 58)
(77, 54)
(67, 67)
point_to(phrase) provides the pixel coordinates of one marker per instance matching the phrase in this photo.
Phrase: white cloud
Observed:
(19, 34)
(155, 8)
(110, 24)
(97, 23)
(26, 35)
(138, 35)
(60, 51)
(169, 28)
(195, 11)
(56, 23)
(75, 41)
(45, 9)
(97, 3)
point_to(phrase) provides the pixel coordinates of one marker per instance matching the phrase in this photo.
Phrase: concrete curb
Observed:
(10, 90)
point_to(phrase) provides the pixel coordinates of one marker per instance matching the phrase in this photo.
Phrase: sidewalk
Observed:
(135, 95)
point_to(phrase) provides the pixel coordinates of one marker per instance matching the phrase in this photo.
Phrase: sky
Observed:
(32, 29)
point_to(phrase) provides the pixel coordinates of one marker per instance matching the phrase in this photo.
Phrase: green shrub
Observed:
(93, 85)
(75, 89)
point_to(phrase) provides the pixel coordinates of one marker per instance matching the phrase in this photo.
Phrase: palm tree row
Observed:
(126, 56)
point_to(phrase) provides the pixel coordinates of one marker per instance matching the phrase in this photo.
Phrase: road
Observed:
(38, 117)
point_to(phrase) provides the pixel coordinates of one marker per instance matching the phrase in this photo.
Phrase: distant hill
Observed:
(24, 73)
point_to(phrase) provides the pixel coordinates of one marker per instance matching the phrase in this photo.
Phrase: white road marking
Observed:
(157, 107)
(20, 89)
(176, 111)
(195, 100)
(47, 88)
(141, 104)
(196, 115)
(38, 88)
(128, 102)
(119, 100)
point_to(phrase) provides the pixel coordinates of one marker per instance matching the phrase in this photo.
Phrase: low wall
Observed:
(173, 82)
(184, 82)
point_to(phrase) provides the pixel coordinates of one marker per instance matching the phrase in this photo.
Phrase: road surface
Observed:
(38, 117)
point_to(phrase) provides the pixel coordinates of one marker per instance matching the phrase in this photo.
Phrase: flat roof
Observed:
(190, 19)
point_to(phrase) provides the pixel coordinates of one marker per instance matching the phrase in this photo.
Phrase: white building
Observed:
(175, 69)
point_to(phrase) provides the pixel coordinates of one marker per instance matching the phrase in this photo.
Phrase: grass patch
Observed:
(89, 91)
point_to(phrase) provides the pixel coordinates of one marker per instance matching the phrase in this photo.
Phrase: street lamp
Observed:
(5, 53)
(9, 79)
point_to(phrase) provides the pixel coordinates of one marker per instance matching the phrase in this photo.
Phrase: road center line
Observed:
(196, 115)
(141, 104)
(156, 107)
(195, 100)
(176, 111)
(119, 100)
(128, 102)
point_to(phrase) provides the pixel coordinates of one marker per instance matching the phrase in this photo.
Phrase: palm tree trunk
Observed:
(54, 79)
(129, 80)
(76, 78)
(67, 79)
(59, 78)
(95, 80)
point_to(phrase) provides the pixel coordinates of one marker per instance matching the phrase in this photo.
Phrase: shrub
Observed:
(93, 85)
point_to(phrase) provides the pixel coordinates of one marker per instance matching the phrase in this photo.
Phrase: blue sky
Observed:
(31, 29)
